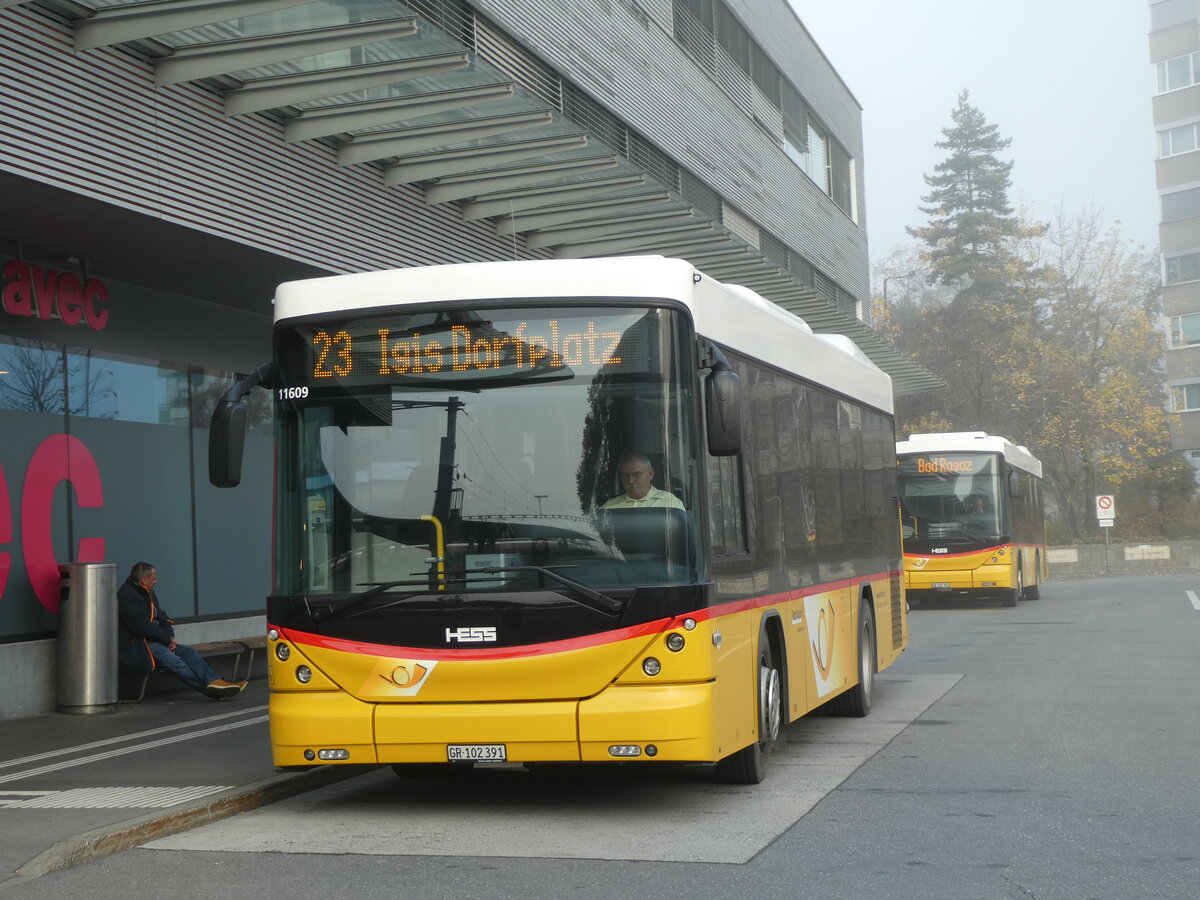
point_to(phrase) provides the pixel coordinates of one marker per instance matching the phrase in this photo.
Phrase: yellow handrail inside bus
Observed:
(441, 549)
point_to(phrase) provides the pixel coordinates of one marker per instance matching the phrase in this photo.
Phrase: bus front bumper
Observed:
(981, 583)
(671, 722)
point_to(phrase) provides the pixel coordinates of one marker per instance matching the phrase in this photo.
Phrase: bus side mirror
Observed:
(227, 430)
(226, 443)
(722, 412)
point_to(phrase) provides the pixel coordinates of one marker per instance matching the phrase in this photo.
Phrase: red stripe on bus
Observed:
(983, 552)
(645, 629)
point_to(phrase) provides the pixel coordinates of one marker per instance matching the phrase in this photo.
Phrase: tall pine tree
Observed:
(971, 250)
(970, 224)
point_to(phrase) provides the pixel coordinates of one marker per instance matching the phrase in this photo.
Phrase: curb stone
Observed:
(110, 839)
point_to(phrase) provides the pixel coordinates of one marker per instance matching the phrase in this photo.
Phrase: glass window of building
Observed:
(1184, 267)
(1174, 141)
(1177, 73)
(1185, 330)
(1185, 397)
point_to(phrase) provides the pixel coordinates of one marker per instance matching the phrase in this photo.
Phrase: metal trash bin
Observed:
(87, 638)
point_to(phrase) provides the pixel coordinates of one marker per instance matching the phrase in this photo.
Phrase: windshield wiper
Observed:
(599, 602)
(362, 598)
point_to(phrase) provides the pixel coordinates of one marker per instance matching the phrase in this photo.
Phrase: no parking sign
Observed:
(1106, 507)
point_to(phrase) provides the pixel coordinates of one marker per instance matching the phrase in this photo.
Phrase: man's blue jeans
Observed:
(185, 664)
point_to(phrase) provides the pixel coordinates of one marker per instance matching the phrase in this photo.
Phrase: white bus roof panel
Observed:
(730, 315)
(972, 442)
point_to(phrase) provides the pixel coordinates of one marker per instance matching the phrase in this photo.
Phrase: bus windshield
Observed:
(474, 451)
(951, 495)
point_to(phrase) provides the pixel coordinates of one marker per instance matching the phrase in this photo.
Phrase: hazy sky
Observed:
(1070, 81)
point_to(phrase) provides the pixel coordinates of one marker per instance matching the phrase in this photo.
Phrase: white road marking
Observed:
(80, 748)
(119, 797)
(1195, 600)
(626, 815)
(9, 798)
(96, 757)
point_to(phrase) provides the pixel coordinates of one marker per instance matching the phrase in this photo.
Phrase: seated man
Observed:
(148, 640)
(636, 475)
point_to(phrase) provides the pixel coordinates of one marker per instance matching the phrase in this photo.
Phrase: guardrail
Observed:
(1090, 560)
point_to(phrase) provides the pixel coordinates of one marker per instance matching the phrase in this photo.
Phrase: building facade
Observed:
(164, 165)
(1175, 53)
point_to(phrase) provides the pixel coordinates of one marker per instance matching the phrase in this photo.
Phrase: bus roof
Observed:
(972, 441)
(731, 315)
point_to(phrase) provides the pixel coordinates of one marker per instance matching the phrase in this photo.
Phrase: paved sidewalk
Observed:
(77, 787)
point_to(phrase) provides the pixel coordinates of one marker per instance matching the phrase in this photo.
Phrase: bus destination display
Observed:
(944, 465)
(529, 348)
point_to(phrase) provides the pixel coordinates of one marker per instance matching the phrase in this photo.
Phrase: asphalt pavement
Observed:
(76, 787)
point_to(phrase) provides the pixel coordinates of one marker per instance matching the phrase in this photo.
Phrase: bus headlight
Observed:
(273, 634)
(651, 666)
(282, 652)
(674, 642)
(303, 674)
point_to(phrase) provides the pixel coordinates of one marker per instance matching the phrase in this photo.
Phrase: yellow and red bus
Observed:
(456, 579)
(972, 517)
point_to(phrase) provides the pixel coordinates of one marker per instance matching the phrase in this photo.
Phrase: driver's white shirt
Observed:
(654, 498)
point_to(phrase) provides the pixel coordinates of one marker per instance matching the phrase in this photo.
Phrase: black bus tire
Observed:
(1013, 597)
(1034, 591)
(857, 701)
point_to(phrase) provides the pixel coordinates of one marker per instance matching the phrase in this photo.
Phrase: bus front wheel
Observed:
(749, 765)
(1033, 591)
(1014, 596)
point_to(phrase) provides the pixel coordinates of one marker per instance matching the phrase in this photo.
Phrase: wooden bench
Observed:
(235, 648)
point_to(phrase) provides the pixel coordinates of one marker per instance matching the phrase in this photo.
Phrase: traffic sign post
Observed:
(1106, 511)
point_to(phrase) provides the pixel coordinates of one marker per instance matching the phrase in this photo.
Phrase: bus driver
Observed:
(636, 475)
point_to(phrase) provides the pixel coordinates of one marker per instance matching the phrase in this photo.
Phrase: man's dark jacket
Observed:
(141, 620)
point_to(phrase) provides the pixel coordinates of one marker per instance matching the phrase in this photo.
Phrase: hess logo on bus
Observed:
(477, 635)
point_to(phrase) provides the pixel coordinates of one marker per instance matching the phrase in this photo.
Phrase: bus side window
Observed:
(727, 527)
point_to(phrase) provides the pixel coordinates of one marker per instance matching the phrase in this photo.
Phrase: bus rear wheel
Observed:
(857, 701)
(749, 765)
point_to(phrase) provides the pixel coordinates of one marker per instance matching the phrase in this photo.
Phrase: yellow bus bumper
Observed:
(675, 719)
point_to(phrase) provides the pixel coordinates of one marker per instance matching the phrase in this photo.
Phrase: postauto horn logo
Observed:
(405, 677)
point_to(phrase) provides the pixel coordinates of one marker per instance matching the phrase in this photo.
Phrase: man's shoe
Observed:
(222, 689)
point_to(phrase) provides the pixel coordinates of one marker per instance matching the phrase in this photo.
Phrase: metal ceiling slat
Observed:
(118, 24)
(514, 201)
(677, 249)
(222, 57)
(710, 262)
(549, 237)
(579, 212)
(734, 269)
(483, 183)
(647, 240)
(411, 141)
(767, 284)
(742, 268)
(329, 120)
(284, 90)
(456, 162)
